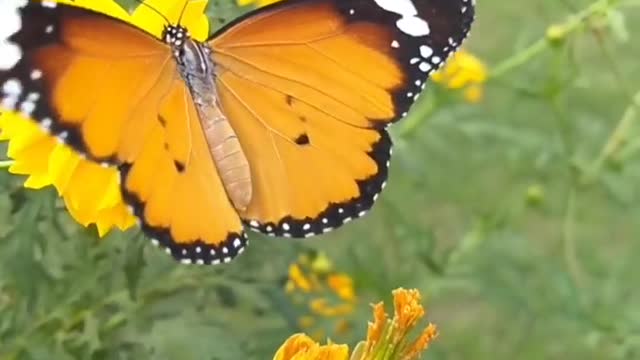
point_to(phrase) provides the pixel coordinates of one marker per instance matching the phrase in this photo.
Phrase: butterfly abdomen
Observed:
(228, 155)
(197, 69)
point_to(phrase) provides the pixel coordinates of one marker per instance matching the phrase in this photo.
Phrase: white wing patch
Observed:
(10, 23)
(410, 23)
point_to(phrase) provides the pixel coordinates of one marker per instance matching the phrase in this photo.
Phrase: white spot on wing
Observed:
(426, 51)
(12, 87)
(425, 67)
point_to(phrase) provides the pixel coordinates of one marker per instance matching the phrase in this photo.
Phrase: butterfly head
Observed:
(191, 55)
(176, 36)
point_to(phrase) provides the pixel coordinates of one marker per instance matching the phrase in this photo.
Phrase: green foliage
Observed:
(518, 218)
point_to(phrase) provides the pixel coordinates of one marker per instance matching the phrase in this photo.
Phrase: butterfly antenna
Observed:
(143, 2)
(184, 8)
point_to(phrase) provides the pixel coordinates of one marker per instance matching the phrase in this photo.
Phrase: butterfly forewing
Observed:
(113, 93)
(310, 86)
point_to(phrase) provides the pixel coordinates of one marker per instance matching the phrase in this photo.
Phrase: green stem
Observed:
(615, 142)
(519, 59)
(418, 116)
(572, 24)
(569, 240)
(6, 163)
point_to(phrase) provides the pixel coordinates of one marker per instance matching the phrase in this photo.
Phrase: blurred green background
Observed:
(517, 216)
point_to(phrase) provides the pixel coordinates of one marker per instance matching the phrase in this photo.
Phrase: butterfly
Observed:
(275, 123)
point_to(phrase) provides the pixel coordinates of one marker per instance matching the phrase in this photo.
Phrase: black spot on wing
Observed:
(178, 165)
(302, 140)
(336, 214)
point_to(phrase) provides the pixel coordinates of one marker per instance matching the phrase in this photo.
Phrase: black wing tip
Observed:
(31, 99)
(431, 54)
(195, 251)
(336, 214)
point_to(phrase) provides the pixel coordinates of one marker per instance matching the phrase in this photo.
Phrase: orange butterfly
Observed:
(276, 122)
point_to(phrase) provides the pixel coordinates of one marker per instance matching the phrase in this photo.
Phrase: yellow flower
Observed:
(386, 338)
(302, 347)
(257, 3)
(321, 306)
(90, 192)
(463, 72)
(342, 285)
(298, 279)
(321, 295)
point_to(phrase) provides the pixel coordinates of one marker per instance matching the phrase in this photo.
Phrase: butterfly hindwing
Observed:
(183, 203)
(113, 93)
(310, 86)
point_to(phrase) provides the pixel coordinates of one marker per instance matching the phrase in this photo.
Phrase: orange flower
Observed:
(342, 284)
(408, 310)
(386, 338)
(422, 342)
(302, 347)
(376, 328)
(389, 336)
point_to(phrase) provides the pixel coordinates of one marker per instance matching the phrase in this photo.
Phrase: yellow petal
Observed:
(421, 343)
(463, 71)
(376, 328)
(342, 285)
(473, 94)
(302, 347)
(295, 344)
(148, 19)
(408, 309)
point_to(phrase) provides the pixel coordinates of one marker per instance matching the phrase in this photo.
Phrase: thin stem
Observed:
(6, 163)
(615, 141)
(569, 240)
(419, 115)
(572, 24)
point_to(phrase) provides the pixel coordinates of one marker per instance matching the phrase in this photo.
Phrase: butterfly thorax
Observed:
(198, 71)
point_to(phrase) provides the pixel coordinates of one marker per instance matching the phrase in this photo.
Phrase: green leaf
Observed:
(129, 5)
(191, 338)
(618, 26)
(221, 12)
(134, 262)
